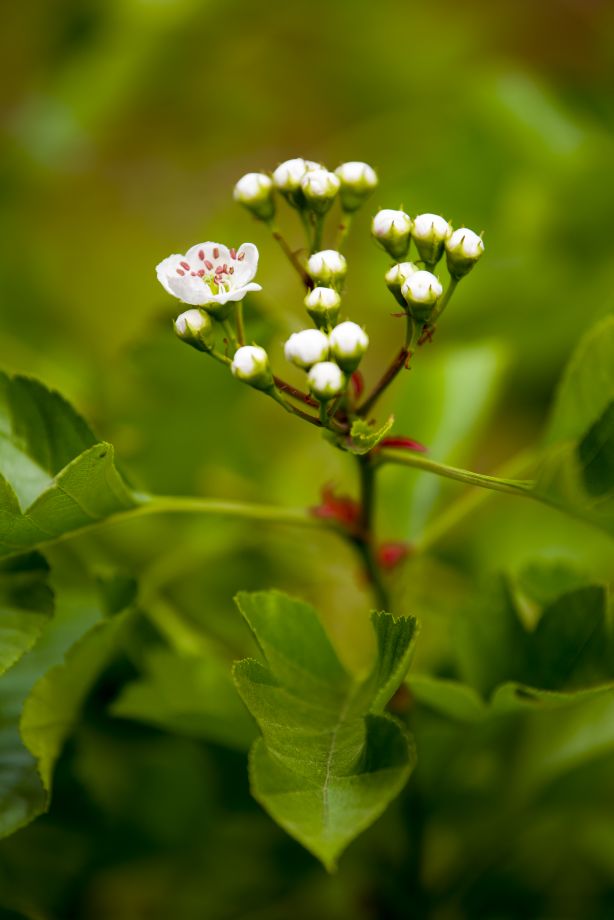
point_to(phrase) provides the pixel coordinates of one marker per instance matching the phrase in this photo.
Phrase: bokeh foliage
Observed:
(125, 126)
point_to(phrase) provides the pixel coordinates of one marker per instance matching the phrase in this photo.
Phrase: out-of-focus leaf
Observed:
(328, 762)
(190, 695)
(54, 477)
(26, 604)
(452, 698)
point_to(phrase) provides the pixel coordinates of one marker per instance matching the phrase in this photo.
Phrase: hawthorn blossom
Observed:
(210, 274)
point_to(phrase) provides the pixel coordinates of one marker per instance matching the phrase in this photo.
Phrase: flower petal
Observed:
(235, 294)
(208, 249)
(190, 290)
(246, 263)
(166, 269)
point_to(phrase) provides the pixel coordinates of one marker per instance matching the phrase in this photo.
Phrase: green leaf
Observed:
(190, 695)
(328, 762)
(364, 437)
(26, 604)
(54, 477)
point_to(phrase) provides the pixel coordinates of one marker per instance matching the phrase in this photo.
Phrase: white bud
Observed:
(320, 187)
(195, 328)
(463, 250)
(421, 291)
(326, 380)
(255, 192)
(327, 267)
(357, 182)
(307, 348)
(323, 304)
(348, 343)
(287, 178)
(396, 277)
(392, 230)
(251, 365)
(430, 232)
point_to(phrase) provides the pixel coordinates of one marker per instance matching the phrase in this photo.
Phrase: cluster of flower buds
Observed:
(415, 286)
(306, 186)
(328, 358)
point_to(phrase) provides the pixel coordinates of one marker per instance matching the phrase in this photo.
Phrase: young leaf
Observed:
(26, 604)
(329, 762)
(364, 437)
(54, 477)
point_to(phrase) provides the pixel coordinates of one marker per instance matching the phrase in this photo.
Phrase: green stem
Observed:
(223, 359)
(397, 365)
(293, 410)
(292, 258)
(318, 228)
(365, 540)
(343, 229)
(419, 462)
(443, 303)
(239, 322)
(229, 332)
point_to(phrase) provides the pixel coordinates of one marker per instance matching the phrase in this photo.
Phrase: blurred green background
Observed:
(125, 126)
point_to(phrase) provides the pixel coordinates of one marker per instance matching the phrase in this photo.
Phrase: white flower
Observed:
(348, 343)
(210, 275)
(307, 348)
(319, 186)
(287, 177)
(430, 231)
(326, 380)
(357, 182)
(195, 328)
(327, 266)
(251, 365)
(255, 192)
(323, 306)
(421, 291)
(392, 230)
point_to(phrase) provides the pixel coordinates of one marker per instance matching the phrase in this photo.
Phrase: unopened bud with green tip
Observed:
(255, 192)
(421, 291)
(348, 343)
(326, 380)
(392, 230)
(320, 188)
(429, 233)
(396, 277)
(463, 250)
(307, 348)
(287, 179)
(358, 180)
(251, 365)
(323, 304)
(327, 267)
(196, 329)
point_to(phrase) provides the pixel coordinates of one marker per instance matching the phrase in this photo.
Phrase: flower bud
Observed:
(251, 365)
(358, 180)
(287, 179)
(463, 250)
(430, 233)
(348, 343)
(255, 192)
(421, 291)
(396, 277)
(392, 230)
(195, 328)
(307, 348)
(327, 267)
(320, 187)
(323, 306)
(326, 380)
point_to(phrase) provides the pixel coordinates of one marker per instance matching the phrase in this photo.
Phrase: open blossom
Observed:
(210, 274)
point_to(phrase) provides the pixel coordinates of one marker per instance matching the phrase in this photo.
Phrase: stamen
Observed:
(241, 256)
(231, 270)
(180, 272)
(201, 255)
(201, 273)
(233, 253)
(216, 253)
(208, 264)
(185, 265)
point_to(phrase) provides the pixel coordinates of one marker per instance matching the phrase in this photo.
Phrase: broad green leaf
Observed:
(54, 477)
(26, 604)
(328, 762)
(364, 437)
(190, 695)
(452, 698)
